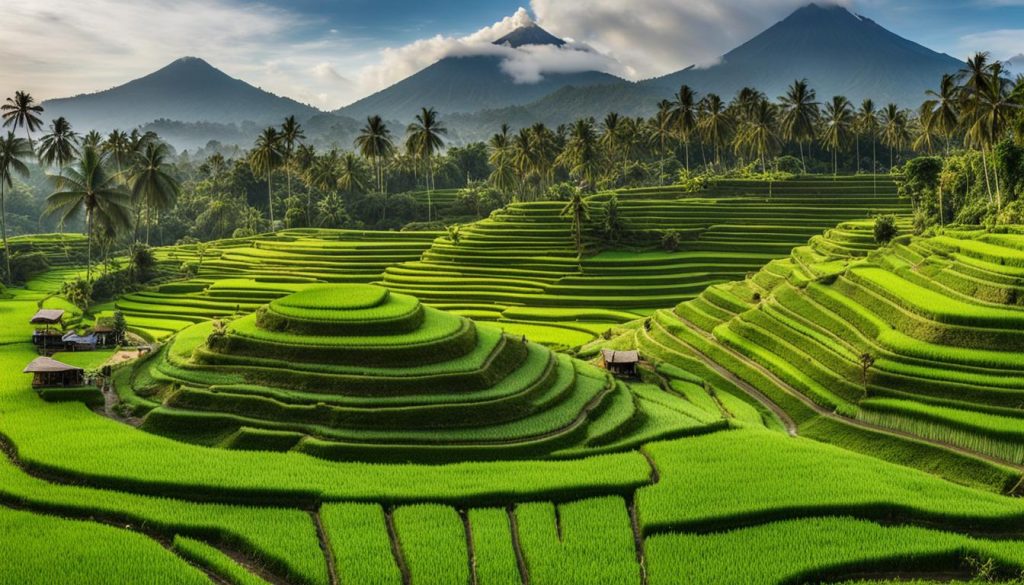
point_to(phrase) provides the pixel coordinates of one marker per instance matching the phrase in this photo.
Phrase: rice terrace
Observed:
(589, 295)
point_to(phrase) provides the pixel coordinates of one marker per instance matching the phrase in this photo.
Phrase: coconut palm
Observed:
(22, 111)
(425, 138)
(944, 108)
(578, 212)
(503, 173)
(924, 130)
(87, 186)
(581, 155)
(291, 136)
(716, 124)
(351, 174)
(14, 152)
(988, 116)
(837, 126)
(612, 139)
(119, 148)
(265, 157)
(92, 138)
(867, 124)
(684, 114)
(662, 130)
(759, 134)
(152, 183)
(895, 130)
(375, 144)
(60, 146)
(322, 174)
(799, 115)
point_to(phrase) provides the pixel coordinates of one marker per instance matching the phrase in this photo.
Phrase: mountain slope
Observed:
(187, 90)
(465, 84)
(838, 52)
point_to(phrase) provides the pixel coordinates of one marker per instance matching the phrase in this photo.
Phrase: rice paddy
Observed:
(330, 407)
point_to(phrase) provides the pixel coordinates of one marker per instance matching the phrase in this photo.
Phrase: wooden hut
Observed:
(620, 363)
(49, 373)
(47, 337)
(105, 336)
(74, 342)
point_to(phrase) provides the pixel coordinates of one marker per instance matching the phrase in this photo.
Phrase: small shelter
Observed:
(105, 336)
(74, 342)
(49, 373)
(620, 363)
(47, 337)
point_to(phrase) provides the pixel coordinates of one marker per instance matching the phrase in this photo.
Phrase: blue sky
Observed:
(329, 53)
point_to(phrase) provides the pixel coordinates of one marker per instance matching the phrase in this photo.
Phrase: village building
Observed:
(620, 363)
(49, 336)
(50, 373)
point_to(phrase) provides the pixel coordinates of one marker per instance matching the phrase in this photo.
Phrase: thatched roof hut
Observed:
(49, 373)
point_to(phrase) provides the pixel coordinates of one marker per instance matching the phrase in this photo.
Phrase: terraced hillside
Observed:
(921, 338)
(522, 264)
(357, 372)
(78, 484)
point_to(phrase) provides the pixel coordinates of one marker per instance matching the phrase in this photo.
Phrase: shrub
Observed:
(670, 241)
(885, 228)
(78, 292)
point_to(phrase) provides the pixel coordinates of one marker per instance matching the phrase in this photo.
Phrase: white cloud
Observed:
(1002, 44)
(525, 65)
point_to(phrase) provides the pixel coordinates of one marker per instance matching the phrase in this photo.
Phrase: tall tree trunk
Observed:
(874, 167)
(270, 200)
(988, 182)
(88, 238)
(858, 152)
(803, 163)
(686, 149)
(3, 224)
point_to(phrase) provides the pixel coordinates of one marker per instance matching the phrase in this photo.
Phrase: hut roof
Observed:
(76, 338)
(612, 356)
(47, 316)
(44, 364)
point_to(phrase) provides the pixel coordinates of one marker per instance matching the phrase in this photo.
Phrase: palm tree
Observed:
(759, 135)
(264, 158)
(22, 110)
(88, 186)
(291, 136)
(581, 156)
(895, 130)
(944, 108)
(799, 115)
(988, 117)
(503, 174)
(662, 131)
(152, 183)
(350, 174)
(322, 174)
(92, 138)
(60, 146)
(867, 123)
(579, 212)
(13, 154)
(424, 138)
(118, 147)
(925, 130)
(838, 121)
(684, 113)
(375, 144)
(611, 139)
(716, 124)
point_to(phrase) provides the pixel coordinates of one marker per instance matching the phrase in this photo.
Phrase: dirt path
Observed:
(821, 410)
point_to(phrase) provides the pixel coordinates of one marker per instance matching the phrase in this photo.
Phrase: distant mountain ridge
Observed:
(837, 51)
(187, 90)
(466, 84)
